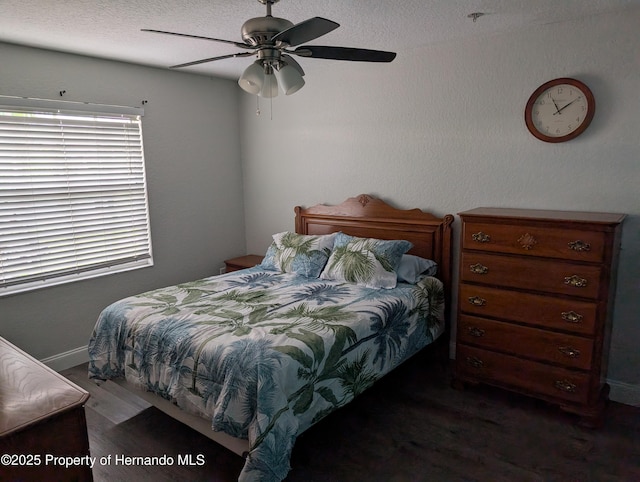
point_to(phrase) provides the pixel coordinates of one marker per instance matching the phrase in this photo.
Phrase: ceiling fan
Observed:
(272, 41)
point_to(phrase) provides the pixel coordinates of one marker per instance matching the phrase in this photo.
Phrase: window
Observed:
(73, 200)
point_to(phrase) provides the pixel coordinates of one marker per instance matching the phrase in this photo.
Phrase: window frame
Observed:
(102, 142)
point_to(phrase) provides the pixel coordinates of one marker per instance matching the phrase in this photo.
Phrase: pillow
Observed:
(268, 261)
(365, 261)
(413, 268)
(302, 254)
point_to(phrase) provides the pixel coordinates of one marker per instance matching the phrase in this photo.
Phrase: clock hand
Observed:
(554, 103)
(564, 107)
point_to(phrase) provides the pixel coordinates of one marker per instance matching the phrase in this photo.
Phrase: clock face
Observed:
(559, 110)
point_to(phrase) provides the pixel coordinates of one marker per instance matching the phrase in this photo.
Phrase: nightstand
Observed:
(242, 262)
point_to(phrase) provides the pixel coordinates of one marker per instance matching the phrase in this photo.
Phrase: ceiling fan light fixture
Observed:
(253, 78)
(289, 79)
(270, 39)
(270, 84)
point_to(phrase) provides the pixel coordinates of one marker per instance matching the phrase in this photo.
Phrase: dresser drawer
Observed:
(525, 375)
(567, 314)
(535, 241)
(566, 350)
(534, 274)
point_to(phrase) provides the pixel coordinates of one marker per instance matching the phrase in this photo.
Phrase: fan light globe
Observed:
(289, 79)
(252, 78)
(269, 86)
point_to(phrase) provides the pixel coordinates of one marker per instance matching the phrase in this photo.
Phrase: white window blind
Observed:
(73, 201)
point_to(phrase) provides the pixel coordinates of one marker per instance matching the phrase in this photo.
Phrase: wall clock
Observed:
(559, 110)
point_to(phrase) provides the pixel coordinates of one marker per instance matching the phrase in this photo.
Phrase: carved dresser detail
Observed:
(534, 304)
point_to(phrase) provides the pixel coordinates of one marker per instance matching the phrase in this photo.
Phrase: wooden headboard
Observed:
(368, 217)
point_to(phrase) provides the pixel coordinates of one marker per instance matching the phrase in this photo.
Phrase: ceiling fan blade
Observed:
(221, 57)
(344, 53)
(291, 61)
(304, 31)
(237, 44)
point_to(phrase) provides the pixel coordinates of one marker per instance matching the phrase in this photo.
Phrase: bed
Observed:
(253, 358)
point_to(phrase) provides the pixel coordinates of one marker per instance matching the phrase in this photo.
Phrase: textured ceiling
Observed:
(111, 28)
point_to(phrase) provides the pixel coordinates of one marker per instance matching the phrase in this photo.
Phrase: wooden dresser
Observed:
(42, 421)
(534, 304)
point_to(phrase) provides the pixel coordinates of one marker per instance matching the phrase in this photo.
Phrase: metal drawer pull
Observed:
(478, 268)
(565, 386)
(475, 331)
(481, 237)
(477, 301)
(475, 362)
(579, 245)
(575, 281)
(572, 316)
(569, 351)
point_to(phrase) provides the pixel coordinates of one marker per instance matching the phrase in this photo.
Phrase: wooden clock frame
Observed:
(591, 107)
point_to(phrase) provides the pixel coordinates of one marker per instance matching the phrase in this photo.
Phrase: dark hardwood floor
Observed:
(411, 426)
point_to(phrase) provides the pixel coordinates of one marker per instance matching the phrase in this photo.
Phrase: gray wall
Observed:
(441, 128)
(194, 185)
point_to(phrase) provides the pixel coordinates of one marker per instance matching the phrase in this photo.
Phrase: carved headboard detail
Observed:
(368, 217)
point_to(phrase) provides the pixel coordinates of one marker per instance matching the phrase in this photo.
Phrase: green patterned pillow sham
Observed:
(302, 254)
(365, 261)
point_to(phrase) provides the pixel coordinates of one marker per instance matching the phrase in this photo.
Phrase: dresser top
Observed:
(31, 391)
(545, 215)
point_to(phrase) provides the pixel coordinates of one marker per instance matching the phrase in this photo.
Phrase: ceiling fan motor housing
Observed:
(260, 30)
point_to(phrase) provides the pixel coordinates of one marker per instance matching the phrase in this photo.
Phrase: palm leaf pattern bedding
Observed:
(261, 353)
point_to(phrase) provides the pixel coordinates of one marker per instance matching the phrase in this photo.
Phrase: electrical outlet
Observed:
(223, 270)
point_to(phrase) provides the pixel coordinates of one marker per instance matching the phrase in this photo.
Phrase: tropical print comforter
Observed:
(261, 353)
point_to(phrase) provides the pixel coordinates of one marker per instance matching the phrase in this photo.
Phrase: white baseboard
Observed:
(68, 359)
(624, 393)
